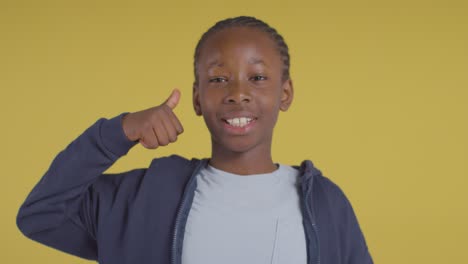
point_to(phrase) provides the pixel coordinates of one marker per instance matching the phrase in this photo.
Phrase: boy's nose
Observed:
(237, 93)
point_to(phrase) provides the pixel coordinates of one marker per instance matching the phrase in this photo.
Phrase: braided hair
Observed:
(251, 22)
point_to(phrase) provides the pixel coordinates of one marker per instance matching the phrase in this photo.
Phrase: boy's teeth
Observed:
(239, 121)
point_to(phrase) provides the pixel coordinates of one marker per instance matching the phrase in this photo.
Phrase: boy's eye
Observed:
(258, 78)
(218, 79)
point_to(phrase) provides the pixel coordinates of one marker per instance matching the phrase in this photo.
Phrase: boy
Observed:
(236, 207)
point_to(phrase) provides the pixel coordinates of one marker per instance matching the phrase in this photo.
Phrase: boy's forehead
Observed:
(249, 44)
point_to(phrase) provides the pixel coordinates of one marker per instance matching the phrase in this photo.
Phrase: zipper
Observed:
(314, 227)
(188, 190)
(309, 211)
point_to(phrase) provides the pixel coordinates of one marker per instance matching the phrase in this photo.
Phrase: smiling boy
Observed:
(238, 206)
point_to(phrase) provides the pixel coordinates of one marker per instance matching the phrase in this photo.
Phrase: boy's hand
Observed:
(156, 126)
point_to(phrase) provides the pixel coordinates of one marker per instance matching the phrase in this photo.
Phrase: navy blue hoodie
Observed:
(139, 216)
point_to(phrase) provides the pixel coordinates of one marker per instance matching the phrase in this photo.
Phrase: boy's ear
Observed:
(287, 95)
(196, 100)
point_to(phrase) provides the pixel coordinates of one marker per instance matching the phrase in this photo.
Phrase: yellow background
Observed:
(381, 103)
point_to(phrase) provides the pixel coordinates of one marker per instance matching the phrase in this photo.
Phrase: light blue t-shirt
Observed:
(245, 219)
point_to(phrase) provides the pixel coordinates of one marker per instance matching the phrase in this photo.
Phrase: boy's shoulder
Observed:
(174, 169)
(173, 161)
(329, 186)
(167, 166)
(324, 188)
(168, 174)
(331, 202)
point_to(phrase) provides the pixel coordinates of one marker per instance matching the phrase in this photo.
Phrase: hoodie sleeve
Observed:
(357, 251)
(354, 246)
(341, 237)
(61, 209)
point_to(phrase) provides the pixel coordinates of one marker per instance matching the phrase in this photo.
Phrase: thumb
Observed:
(173, 99)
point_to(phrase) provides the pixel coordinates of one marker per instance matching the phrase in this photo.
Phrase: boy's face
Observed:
(240, 89)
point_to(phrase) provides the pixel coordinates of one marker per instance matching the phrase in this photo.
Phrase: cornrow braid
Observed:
(251, 22)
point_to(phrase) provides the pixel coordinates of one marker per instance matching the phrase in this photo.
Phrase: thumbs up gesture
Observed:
(155, 126)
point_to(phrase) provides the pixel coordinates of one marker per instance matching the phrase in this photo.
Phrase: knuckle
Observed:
(150, 144)
(147, 126)
(172, 138)
(165, 107)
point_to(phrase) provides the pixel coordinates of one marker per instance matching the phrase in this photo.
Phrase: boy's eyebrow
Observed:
(256, 61)
(215, 63)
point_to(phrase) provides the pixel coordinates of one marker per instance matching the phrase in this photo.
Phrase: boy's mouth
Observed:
(239, 125)
(239, 121)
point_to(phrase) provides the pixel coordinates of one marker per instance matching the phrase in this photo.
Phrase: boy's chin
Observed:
(231, 147)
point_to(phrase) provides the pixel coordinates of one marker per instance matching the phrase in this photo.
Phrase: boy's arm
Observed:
(59, 210)
(353, 240)
(358, 252)
(349, 244)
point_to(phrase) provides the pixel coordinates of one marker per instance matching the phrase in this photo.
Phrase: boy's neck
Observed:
(246, 163)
